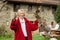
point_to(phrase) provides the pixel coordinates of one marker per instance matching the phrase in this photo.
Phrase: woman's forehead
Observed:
(20, 11)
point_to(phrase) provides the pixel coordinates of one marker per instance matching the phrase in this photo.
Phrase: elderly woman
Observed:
(23, 27)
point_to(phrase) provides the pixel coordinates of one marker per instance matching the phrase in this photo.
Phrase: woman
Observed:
(23, 27)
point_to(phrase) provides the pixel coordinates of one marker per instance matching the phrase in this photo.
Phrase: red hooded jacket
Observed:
(16, 27)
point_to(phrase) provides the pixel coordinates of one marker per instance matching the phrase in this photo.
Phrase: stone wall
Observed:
(7, 13)
(45, 13)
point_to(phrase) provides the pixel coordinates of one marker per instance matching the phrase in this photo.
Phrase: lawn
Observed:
(35, 37)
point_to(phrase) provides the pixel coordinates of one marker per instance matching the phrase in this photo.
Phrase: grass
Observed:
(35, 37)
(5, 38)
(38, 37)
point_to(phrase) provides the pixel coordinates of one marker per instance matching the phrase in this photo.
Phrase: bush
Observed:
(2, 30)
(57, 14)
(8, 35)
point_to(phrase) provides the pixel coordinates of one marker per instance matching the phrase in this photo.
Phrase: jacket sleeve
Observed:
(13, 25)
(34, 26)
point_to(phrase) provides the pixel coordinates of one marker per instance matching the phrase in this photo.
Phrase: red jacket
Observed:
(16, 26)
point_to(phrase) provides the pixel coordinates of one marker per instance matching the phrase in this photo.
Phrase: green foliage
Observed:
(57, 14)
(2, 30)
(8, 35)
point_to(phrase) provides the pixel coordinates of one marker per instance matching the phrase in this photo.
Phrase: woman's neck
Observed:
(21, 18)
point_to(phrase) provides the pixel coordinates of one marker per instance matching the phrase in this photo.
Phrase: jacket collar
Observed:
(24, 19)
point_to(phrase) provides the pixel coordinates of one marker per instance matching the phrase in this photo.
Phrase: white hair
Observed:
(21, 11)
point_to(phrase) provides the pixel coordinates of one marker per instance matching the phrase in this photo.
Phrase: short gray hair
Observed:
(21, 10)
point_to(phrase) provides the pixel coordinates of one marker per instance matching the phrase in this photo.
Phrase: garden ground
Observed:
(35, 37)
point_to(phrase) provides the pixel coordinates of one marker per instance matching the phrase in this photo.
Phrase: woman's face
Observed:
(21, 14)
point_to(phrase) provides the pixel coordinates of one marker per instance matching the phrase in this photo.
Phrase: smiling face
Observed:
(21, 13)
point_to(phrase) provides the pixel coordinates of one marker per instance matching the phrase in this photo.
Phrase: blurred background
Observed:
(48, 10)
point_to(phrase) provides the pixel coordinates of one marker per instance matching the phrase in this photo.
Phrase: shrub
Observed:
(2, 30)
(57, 14)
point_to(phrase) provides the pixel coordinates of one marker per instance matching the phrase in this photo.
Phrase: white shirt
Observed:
(55, 28)
(50, 26)
(23, 26)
